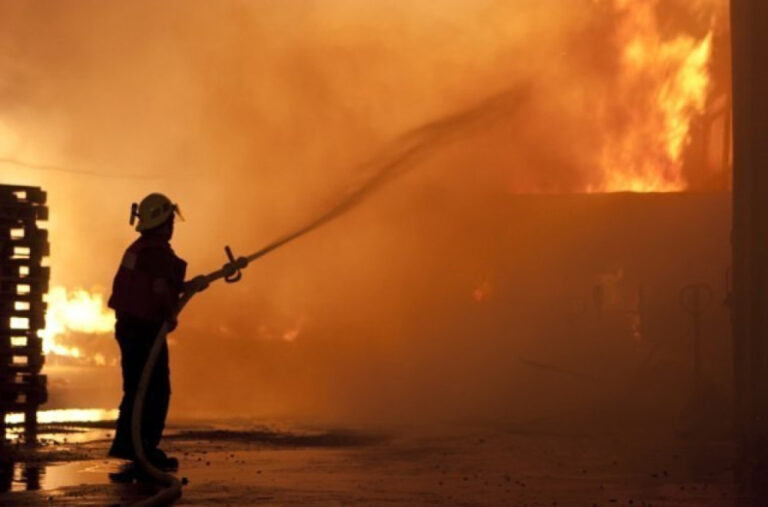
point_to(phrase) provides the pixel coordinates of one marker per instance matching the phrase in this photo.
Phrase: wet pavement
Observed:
(471, 466)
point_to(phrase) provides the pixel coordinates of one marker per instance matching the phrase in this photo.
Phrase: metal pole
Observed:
(697, 343)
(749, 38)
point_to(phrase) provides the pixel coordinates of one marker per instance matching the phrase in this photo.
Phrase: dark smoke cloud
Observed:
(257, 116)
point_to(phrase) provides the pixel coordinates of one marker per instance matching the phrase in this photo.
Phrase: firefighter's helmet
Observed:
(153, 211)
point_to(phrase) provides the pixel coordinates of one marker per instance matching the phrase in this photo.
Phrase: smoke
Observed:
(259, 116)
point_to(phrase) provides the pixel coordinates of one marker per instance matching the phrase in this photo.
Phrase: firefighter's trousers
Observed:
(135, 338)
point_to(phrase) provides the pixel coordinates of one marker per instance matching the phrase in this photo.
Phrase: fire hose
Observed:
(417, 143)
(231, 273)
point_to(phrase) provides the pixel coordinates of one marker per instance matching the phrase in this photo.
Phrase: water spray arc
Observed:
(410, 148)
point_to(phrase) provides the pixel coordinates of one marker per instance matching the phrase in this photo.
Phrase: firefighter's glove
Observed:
(197, 284)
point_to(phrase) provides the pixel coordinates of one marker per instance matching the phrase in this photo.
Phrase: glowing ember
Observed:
(664, 82)
(70, 415)
(74, 311)
(482, 292)
(291, 334)
(270, 332)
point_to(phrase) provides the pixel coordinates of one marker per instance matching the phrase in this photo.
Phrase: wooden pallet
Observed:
(23, 283)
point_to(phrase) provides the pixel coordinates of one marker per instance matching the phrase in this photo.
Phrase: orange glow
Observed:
(67, 416)
(74, 311)
(454, 270)
(646, 154)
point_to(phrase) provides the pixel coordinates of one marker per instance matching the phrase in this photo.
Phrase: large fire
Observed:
(664, 82)
(77, 311)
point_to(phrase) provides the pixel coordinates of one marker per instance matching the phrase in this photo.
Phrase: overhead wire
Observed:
(69, 170)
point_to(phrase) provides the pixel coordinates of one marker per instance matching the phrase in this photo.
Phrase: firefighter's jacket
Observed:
(149, 281)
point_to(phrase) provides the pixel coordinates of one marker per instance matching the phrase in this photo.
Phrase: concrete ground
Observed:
(242, 464)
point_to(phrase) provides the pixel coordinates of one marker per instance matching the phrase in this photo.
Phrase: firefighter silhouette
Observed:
(145, 294)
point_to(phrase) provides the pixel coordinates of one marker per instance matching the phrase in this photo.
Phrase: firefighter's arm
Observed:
(196, 284)
(200, 282)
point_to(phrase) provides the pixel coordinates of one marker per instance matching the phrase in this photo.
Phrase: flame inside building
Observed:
(484, 280)
(647, 155)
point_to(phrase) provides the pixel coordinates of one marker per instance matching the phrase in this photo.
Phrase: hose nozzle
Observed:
(233, 267)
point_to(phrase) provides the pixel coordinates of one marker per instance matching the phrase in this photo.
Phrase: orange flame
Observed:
(664, 82)
(69, 415)
(74, 311)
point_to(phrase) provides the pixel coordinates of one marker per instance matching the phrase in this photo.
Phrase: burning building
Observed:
(528, 232)
(538, 235)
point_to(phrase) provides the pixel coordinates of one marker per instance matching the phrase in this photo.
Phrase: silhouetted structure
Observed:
(749, 22)
(23, 282)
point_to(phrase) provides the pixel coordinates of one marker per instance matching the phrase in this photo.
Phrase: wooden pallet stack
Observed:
(23, 283)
